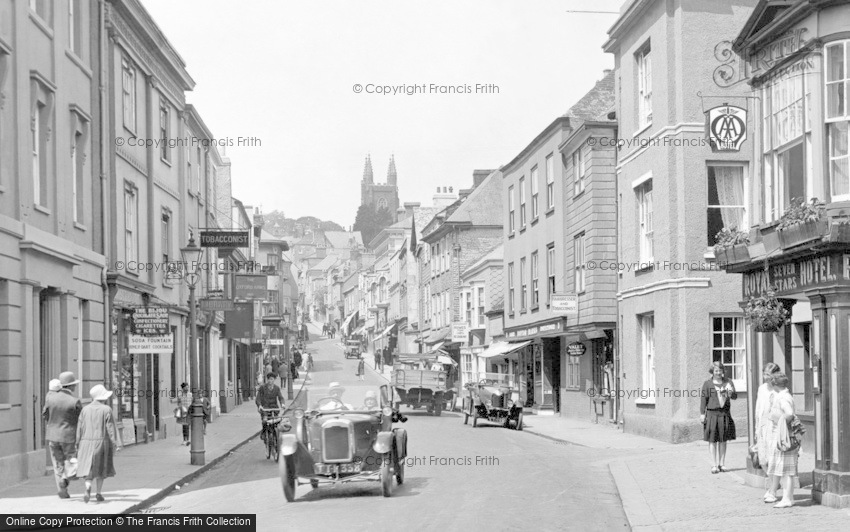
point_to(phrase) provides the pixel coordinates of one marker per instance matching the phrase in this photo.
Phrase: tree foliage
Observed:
(369, 221)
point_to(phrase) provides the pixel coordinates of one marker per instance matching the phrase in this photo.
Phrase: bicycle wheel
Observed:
(268, 442)
(276, 447)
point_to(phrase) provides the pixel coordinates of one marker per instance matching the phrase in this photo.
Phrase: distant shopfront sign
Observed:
(460, 332)
(564, 304)
(224, 239)
(150, 321)
(546, 329)
(151, 344)
(796, 276)
(727, 127)
(252, 286)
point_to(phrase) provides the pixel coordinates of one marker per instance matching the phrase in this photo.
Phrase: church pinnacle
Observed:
(368, 177)
(392, 175)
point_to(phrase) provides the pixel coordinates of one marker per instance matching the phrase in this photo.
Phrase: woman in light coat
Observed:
(96, 442)
(781, 464)
(763, 403)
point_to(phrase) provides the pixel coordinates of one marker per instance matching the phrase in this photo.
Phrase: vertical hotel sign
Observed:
(727, 127)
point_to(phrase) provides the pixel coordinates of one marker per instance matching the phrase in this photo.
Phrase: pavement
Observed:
(666, 486)
(145, 473)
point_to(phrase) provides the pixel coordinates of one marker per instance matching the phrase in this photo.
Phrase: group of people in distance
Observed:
(777, 428)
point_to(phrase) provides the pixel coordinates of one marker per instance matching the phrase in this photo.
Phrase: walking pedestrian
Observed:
(718, 425)
(275, 366)
(361, 368)
(377, 360)
(207, 406)
(96, 441)
(61, 412)
(182, 411)
(764, 400)
(782, 460)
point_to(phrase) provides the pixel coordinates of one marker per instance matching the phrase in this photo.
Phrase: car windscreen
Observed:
(346, 398)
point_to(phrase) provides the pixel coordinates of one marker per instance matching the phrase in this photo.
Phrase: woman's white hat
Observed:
(54, 385)
(100, 393)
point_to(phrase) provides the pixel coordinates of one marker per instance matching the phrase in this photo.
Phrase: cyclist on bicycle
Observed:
(269, 396)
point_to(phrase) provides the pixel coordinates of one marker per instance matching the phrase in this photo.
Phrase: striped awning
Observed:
(503, 348)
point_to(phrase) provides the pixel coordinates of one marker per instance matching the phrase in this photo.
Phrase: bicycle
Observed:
(271, 419)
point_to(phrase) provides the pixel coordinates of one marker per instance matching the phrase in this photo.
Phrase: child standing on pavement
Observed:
(361, 368)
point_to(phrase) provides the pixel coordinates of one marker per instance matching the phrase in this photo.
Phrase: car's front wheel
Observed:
(287, 477)
(399, 471)
(386, 475)
(518, 425)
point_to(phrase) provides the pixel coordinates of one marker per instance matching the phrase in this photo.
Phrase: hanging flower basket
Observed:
(766, 313)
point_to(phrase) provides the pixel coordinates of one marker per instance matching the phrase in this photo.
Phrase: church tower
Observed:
(380, 195)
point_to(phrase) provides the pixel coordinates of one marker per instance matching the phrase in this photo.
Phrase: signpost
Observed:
(564, 304)
(224, 239)
(251, 286)
(150, 321)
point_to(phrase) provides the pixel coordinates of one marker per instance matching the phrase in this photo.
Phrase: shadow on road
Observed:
(411, 487)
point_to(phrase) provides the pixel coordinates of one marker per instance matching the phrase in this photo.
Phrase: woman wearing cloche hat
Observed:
(96, 442)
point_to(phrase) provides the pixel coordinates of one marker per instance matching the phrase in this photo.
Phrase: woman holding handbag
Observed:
(718, 425)
(782, 447)
(96, 442)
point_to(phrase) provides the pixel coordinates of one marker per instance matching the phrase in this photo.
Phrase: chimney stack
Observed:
(478, 177)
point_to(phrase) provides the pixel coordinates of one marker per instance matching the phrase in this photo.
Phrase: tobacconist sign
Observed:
(252, 286)
(150, 321)
(224, 239)
(799, 275)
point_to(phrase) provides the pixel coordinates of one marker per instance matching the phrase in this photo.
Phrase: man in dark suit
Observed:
(61, 411)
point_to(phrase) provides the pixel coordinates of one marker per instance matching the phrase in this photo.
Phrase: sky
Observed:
(286, 73)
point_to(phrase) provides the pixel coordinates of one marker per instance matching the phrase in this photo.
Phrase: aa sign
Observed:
(727, 128)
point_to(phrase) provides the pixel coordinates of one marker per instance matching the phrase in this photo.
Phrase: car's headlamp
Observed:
(387, 411)
(298, 414)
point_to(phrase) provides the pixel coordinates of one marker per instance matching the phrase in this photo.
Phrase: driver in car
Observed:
(335, 391)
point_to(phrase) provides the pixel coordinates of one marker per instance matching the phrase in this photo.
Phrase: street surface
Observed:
(521, 481)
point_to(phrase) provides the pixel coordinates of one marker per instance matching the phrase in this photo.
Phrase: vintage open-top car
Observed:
(352, 348)
(493, 397)
(337, 443)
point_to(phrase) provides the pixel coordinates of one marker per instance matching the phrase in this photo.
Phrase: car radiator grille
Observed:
(336, 445)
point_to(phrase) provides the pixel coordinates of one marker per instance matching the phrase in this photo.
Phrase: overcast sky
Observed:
(284, 72)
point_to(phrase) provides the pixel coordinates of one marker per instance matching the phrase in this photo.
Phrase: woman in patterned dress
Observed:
(96, 442)
(781, 464)
(763, 404)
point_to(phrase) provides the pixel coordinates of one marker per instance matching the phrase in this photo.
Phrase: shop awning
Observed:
(348, 320)
(435, 337)
(385, 332)
(359, 330)
(502, 348)
(444, 359)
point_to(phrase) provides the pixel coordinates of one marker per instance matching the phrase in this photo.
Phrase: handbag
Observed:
(70, 469)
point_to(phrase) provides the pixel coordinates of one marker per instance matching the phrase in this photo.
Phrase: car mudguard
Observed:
(400, 443)
(288, 444)
(383, 443)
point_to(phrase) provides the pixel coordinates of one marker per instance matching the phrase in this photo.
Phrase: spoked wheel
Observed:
(518, 422)
(386, 475)
(287, 477)
(268, 444)
(276, 447)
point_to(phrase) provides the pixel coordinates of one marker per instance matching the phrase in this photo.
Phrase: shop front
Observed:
(588, 368)
(538, 364)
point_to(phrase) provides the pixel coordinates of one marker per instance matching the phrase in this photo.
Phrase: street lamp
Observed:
(191, 256)
(287, 354)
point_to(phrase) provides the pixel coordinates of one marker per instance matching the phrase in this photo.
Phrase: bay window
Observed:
(837, 58)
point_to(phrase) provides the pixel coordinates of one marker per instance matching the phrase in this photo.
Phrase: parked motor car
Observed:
(495, 398)
(334, 443)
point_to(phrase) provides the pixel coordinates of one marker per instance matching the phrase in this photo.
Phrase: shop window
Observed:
(838, 118)
(726, 199)
(573, 372)
(727, 347)
(646, 325)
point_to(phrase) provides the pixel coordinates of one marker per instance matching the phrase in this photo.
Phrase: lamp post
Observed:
(287, 354)
(191, 255)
